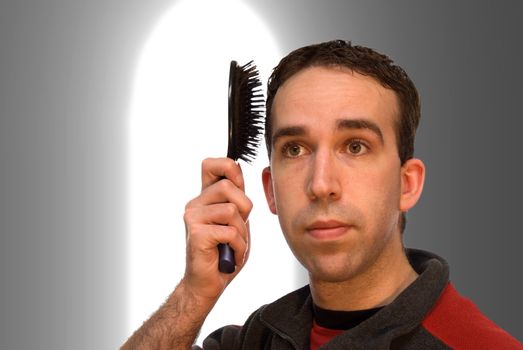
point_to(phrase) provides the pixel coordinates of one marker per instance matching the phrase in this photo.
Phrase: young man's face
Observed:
(335, 178)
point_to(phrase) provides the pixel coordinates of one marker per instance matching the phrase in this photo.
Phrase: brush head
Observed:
(246, 111)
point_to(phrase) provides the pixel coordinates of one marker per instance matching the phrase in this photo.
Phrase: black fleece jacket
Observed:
(416, 319)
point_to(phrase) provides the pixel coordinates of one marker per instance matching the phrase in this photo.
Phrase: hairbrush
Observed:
(246, 107)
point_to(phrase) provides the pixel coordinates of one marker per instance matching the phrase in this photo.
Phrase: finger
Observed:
(215, 169)
(241, 258)
(217, 214)
(203, 240)
(224, 191)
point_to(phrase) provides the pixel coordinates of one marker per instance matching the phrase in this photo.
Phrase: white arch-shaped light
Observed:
(179, 117)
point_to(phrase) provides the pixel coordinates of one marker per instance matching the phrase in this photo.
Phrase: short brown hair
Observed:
(363, 60)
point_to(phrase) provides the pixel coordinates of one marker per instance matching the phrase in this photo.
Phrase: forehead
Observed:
(316, 95)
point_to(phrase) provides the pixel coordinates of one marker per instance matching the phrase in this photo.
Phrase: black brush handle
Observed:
(227, 263)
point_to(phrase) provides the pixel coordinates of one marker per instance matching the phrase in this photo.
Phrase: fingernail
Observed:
(239, 179)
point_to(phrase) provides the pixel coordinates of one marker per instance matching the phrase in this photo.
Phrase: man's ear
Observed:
(268, 189)
(412, 180)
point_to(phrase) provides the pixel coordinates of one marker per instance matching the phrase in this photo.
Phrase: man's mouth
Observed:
(327, 229)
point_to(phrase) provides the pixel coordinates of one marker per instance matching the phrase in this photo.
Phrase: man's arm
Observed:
(218, 215)
(174, 326)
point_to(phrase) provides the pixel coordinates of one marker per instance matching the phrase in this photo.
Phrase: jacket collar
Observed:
(291, 316)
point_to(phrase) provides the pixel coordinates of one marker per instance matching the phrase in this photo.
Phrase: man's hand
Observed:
(218, 215)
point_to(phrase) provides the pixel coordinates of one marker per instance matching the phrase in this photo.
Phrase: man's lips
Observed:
(327, 229)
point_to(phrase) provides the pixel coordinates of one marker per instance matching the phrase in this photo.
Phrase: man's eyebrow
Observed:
(288, 131)
(299, 130)
(360, 124)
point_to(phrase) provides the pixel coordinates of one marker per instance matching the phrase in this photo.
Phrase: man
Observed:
(341, 121)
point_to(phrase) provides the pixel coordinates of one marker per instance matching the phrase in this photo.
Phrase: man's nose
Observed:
(324, 177)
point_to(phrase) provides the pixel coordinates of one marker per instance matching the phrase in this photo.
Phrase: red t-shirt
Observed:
(321, 335)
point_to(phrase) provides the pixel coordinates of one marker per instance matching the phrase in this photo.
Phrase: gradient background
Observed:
(66, 70)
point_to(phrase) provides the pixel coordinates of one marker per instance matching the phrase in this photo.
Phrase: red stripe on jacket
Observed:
(457, 322)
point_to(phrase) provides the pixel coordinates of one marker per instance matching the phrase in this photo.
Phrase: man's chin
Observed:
(330, 272)
(329, 277)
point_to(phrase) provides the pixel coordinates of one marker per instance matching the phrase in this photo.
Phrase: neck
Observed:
(379, 285)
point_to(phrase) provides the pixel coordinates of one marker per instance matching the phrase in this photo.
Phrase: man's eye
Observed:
(356, 147)
(292, 150)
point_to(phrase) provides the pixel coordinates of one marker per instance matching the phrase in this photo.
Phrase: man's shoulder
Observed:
(286, 314)
(459, 323)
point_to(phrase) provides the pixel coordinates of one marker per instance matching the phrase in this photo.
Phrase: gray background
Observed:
(65, 81)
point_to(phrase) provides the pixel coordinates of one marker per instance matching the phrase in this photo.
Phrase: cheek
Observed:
(378, 189)
(288, 198)
(287, 185)
(283, 198)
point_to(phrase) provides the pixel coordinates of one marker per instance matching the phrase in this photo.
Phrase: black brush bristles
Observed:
(246, 111)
